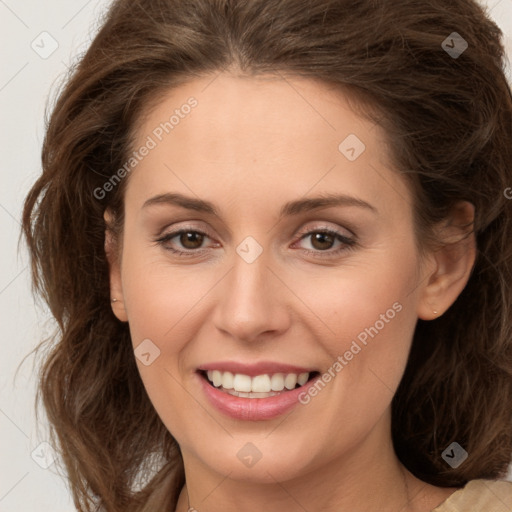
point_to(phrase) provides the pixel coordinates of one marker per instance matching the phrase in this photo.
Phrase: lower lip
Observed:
(253, 409)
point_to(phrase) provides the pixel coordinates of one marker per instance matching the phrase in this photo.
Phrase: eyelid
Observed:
(325, 227)
(303, 231)
(170, 229)
(348, 243)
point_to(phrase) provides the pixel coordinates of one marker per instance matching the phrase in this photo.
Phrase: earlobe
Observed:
(119, 309)
(112, 254)
(453, 263)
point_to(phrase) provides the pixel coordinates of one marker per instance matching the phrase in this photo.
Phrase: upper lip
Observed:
(253, 369)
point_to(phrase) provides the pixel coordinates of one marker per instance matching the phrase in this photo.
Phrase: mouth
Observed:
(258, 386)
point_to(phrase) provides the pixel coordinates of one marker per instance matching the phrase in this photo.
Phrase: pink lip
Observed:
(253, 409)
(254, 369)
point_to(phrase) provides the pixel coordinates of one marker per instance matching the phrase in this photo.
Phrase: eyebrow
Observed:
(290, 208)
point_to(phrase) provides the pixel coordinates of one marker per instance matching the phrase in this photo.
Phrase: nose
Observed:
(253, 303)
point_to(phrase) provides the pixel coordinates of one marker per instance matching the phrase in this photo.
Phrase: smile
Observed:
(254, 391)
(258, 386)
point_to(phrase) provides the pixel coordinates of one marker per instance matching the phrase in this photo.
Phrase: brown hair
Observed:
(449, 123)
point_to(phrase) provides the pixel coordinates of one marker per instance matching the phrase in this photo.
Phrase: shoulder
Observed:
(480, 495)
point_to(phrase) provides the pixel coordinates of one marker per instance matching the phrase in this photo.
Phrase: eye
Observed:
(323, 239)
(188, 238)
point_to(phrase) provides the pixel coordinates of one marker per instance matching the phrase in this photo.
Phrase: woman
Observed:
(276, 239)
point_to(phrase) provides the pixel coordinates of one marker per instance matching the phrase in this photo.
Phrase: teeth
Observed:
(217, 378)
(241, 383)
(265, 383)
(277, 382)
(227, 380)
(302, 378)
(261, 384)
(290, 380)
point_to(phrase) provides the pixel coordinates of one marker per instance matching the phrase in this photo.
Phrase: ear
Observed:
(112, 251)
(450, 265)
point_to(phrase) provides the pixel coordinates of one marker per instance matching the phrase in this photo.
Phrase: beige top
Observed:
(480, 496)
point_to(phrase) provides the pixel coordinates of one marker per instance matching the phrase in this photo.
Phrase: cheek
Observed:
(161, 302)
(160, 298)
(368, 314)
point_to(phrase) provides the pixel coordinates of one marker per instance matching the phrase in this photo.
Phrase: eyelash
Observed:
(348, 243)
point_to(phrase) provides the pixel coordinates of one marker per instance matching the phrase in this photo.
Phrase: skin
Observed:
(251, 145)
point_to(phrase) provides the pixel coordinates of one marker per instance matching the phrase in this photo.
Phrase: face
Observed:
(268, 241)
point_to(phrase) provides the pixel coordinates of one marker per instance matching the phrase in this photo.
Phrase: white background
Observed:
(26, 81)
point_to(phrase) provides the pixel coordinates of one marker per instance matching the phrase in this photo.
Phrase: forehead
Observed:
(266, 137)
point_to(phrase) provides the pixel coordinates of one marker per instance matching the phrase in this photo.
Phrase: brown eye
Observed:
(326, 243)
(191, 239)
(322, 240)
(184, 242)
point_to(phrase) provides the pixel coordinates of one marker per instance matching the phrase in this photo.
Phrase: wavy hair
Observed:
(449, 125)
